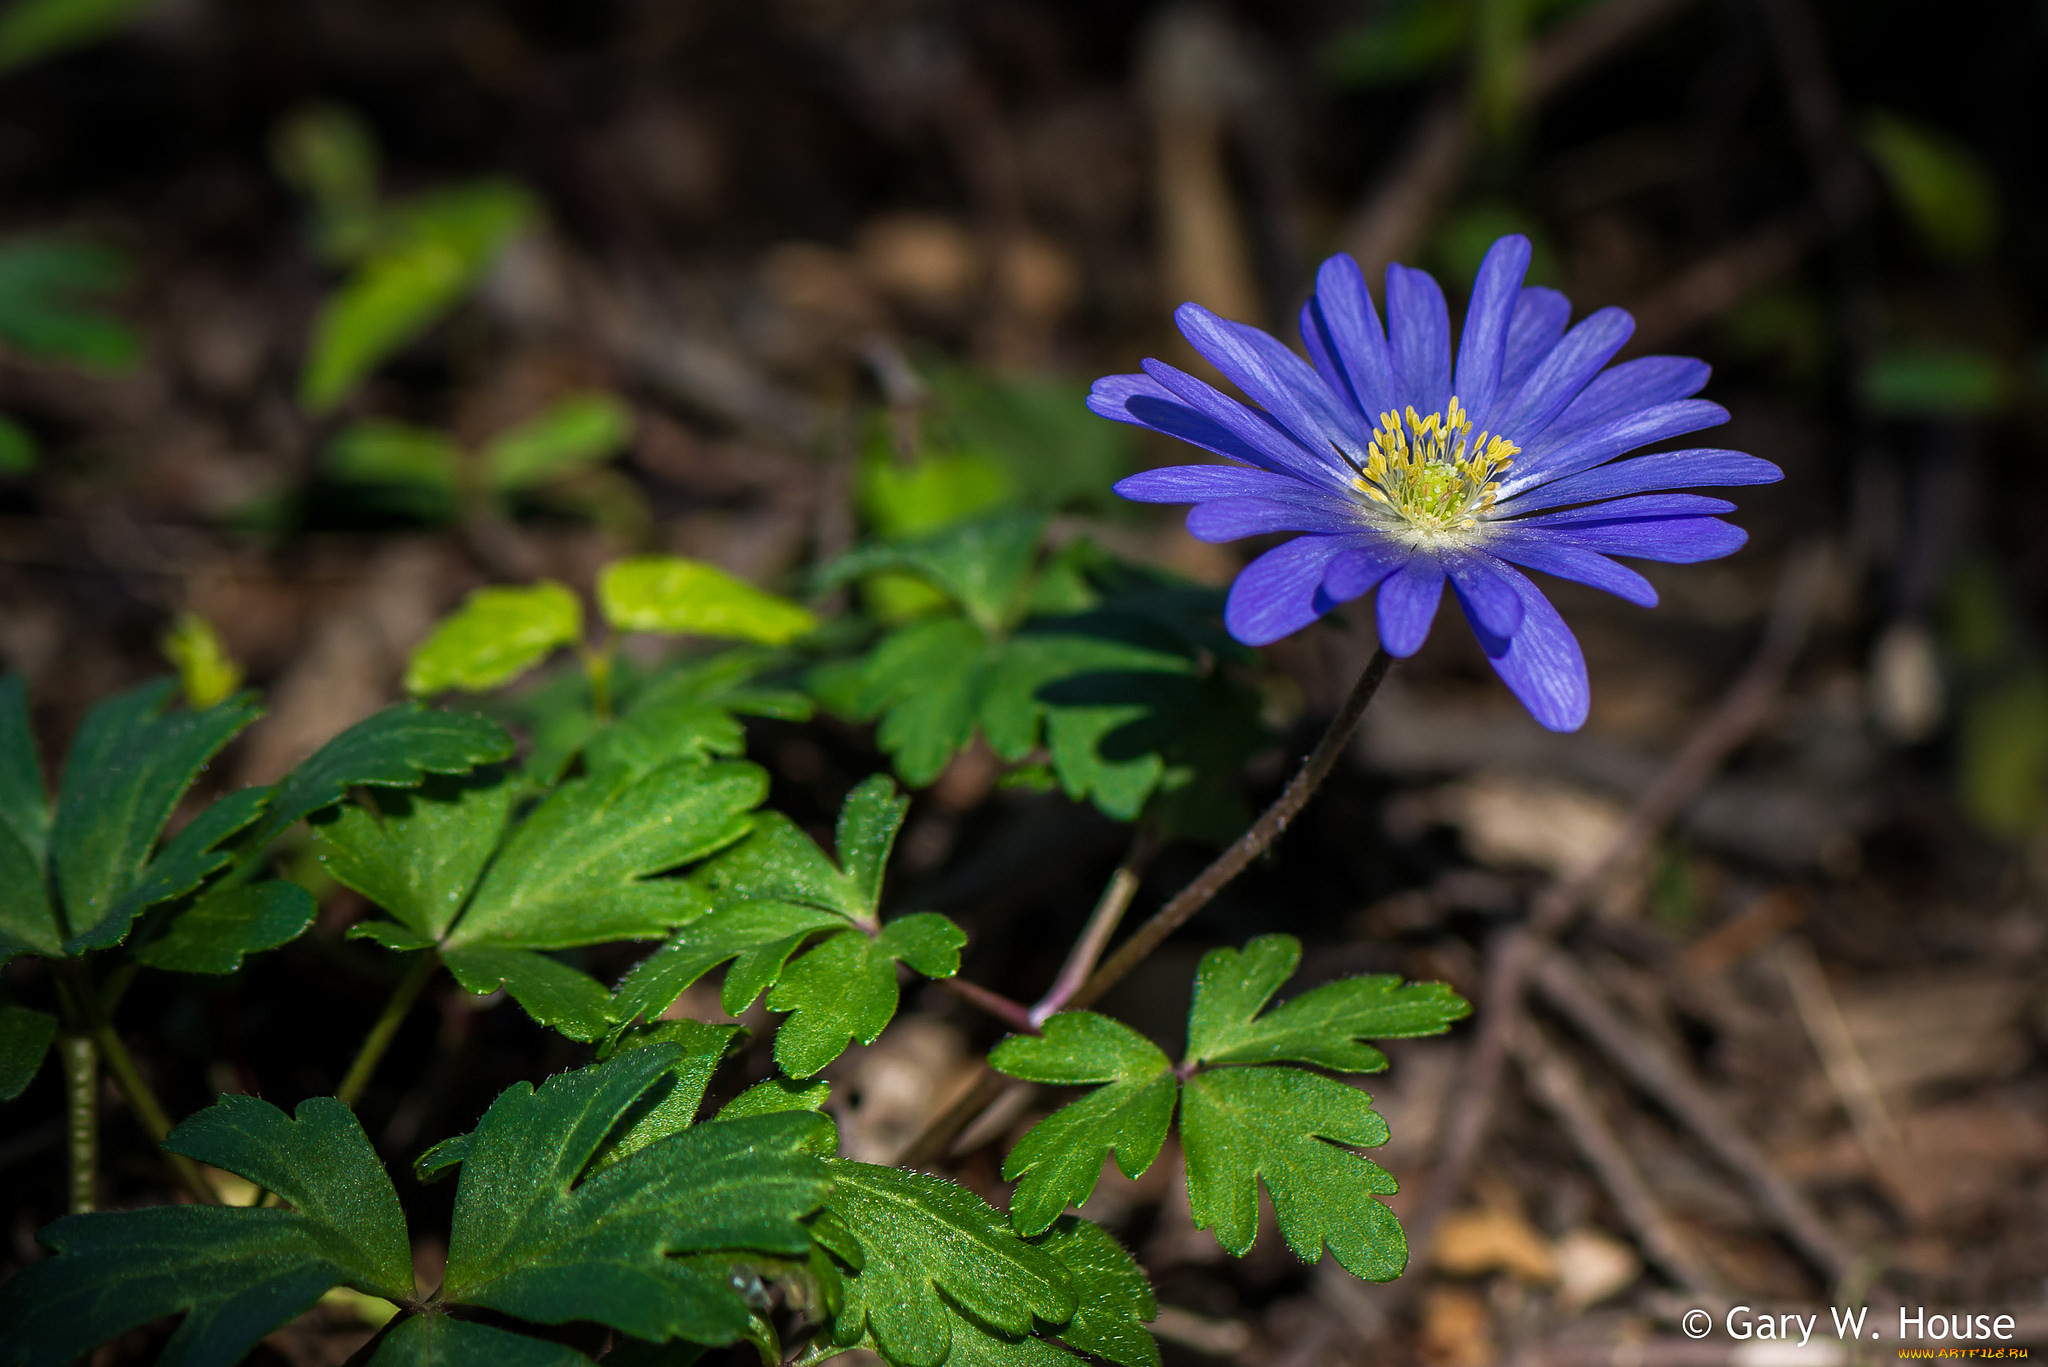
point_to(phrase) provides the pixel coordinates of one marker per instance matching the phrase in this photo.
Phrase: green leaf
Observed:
(1114, 1301)
(207, 674)
(925, 682)
(647, 1245)
(225, 923)
(671, 1108)
(435, 251)
(424, 462)
(51, 290)
(185, 861)
(776, 1094)
(551, 992)
(28, 919)
(845, 989)
(418, 854)
(1061, 1157)
(130, 763)
(1240, 1125)
(433, 1339)
(868, 822)
(327, 153)
(494, 637)
(691, 709)
(1934, 382)
(580, 430)
(1325, 1026)
(234, 1273)
(395, 748)
(933, 1250)
(25, 1036)
(941, 487)
(984, 565)
(679, 597)
(758, 936)
(1940, 183)
(580, 869)
(779, 863)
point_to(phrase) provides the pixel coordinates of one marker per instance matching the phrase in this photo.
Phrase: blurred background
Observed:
(317, 314)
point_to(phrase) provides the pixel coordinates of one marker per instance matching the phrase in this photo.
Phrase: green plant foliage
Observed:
(395, 748)
(1239, 1124)
(1128, 1114)
(458, 875)
(495, 636)
(935, 1264)
(35, 30)
(25, 1036)
(1038, 430)
(2002, 754)
(1939, 183)
(1413, 39)
(679, 597)
(648, 1244)
(572, 434)
(207, 674)
(1114, 1301)
(326, 152)
(224, 924)
(17, 448)
(437, 1339)
(771, 894)
(416, 470)
(129, 766)
(1110, 671)
(427, 256)
(53, 293)
(233, 1273)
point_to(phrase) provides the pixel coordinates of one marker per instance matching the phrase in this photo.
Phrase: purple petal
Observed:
(1482, 345)
(1419, 339)
(1280, 593)
(1630, 510)
(1539, 550)
(1197, 483)
(1641, 383)
(1143, 402)
(1673, 540)
(1548, 460)
(1227, 519)
(1252, 429)
(1485, 592)
(1362, 567)
(1703, 468)
(1540, 316)
(1407, 604)
(1569, 367)
(1277, 380)
(1343, 335)
(1541, 663)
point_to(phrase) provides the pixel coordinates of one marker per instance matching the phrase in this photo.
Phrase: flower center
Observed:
(1432, 473)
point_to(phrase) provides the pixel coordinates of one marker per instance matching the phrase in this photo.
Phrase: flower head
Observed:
(1403, 470)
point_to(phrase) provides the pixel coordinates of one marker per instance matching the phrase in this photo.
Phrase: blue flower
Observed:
(1402, 471)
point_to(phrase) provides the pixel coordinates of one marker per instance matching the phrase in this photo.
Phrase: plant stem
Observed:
(149, 1112)
(1247, 847)
(940, 1132)
(1102, 923)
(597, 667)
(82, 1116)
(85, 1008)
(1011, 1013)
(386, 1028)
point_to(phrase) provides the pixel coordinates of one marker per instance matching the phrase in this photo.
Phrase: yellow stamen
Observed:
(1431, 472)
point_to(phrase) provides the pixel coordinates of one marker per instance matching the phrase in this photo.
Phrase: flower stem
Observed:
(94, 1034)
(81, 1061)
(386, 1028)
(1247, 847)
(1011, 1013)
(1102, 923)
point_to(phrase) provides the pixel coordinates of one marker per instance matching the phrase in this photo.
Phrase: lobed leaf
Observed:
(758, 937)
(395, 748)
(129, 766)
(419, 854)
(1325, 1026)
(553, 993)
(646, 1245)
(1060, 1159)
(433, 1339)
(1243, 1125)
(495, 636)
(186, 860)
(934, 1255)
(232, 1273)
(225, 923)
(1112, 1298)
(983, 564)
(845, 989)
(681, 597)
(28, 918)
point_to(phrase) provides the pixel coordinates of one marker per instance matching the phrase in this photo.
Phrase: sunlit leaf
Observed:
(690, 598)
(206, 672)
(577, 431)
(495, 636)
